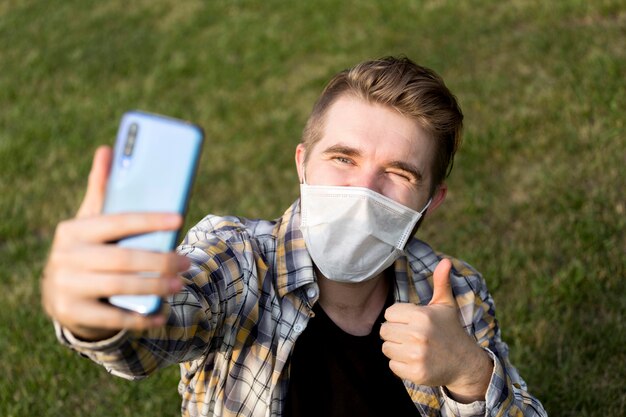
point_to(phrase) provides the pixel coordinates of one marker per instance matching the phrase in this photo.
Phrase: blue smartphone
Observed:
(154, 164)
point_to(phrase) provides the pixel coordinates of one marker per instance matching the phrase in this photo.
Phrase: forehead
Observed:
(378, 131)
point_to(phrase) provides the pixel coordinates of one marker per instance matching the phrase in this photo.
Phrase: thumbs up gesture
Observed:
(428, 346)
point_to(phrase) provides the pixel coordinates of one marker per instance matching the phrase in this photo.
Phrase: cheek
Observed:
(405, 195)
(324, 174)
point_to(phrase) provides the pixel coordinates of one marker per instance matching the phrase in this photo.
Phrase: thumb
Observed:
(442, 290)
(96, 184)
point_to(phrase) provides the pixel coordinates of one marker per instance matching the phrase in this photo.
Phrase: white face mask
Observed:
(353, 233)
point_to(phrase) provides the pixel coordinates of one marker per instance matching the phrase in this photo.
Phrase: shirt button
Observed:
(298, 328)
(311, 292)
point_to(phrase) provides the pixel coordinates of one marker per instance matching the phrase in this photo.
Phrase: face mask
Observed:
(353, 233)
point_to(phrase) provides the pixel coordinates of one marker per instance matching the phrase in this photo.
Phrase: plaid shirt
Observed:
(248, 296)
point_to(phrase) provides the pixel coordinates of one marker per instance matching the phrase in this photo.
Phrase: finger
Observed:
(403, 353)
(113, 227)
(98, 285)
(402, 313)
(98, 315)
(413, 334)
(390, 349)
(393, 332)
(112, 258)
(96, 184)
(407, 371)
(442, 290)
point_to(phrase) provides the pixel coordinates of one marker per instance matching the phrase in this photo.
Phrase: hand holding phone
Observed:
(154, 164)
(83, 267)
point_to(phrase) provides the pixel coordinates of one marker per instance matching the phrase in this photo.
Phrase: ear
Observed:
(438, 197)
(300, 154)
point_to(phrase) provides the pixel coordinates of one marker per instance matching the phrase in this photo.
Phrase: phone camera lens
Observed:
(131, 139)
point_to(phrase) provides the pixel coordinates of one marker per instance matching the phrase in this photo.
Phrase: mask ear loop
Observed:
(304, 174)
(430, 200)
(419, 221)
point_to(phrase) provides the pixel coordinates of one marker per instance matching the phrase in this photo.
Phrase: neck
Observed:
(353, 307)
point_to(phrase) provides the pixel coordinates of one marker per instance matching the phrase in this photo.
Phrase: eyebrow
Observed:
(354, 152)
(342, 149)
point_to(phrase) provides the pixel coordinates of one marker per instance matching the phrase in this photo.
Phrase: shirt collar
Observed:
(294, 267)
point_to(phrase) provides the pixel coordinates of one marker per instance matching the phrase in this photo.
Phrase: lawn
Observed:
(536, 197)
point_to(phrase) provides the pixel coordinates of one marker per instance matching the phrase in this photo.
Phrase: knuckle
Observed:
(63, 231)
(133, 321)
(54, 259)
(62, 258)
(62, 228)
(385, 349)
(61, 310)
(396, 369)
(415, 337)
(415, 356)
(54, 281)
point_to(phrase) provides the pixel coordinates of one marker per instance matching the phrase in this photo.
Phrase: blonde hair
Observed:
(415, 91)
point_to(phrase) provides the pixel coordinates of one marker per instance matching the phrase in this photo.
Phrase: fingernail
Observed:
(183, 263)
(175, 285)
(158, 320)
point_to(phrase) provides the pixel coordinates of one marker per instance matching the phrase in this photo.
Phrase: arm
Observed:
(83, 268)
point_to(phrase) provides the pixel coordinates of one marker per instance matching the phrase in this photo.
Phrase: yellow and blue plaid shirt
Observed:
(249, 294)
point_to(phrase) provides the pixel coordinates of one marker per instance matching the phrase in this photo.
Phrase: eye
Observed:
(403, 176)
(343, 160)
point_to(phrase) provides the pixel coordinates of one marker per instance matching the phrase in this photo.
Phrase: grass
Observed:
(536, 199)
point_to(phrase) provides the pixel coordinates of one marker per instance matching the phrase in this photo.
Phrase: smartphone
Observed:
(154, 164)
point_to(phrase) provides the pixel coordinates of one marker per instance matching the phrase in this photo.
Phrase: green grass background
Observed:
(536, 198)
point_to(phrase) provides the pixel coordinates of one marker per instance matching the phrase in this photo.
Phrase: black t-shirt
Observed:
(336, 374)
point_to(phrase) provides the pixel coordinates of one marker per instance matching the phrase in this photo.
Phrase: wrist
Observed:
(472, 385)
(91, 335)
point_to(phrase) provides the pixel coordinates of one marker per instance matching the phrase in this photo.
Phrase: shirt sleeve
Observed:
(453, 408)
(529, 405)
(507, 393)
(135, 355)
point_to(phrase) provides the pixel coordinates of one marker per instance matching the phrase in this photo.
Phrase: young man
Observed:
(334, 309)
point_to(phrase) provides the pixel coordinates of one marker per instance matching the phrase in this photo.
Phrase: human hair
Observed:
(415, 91)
